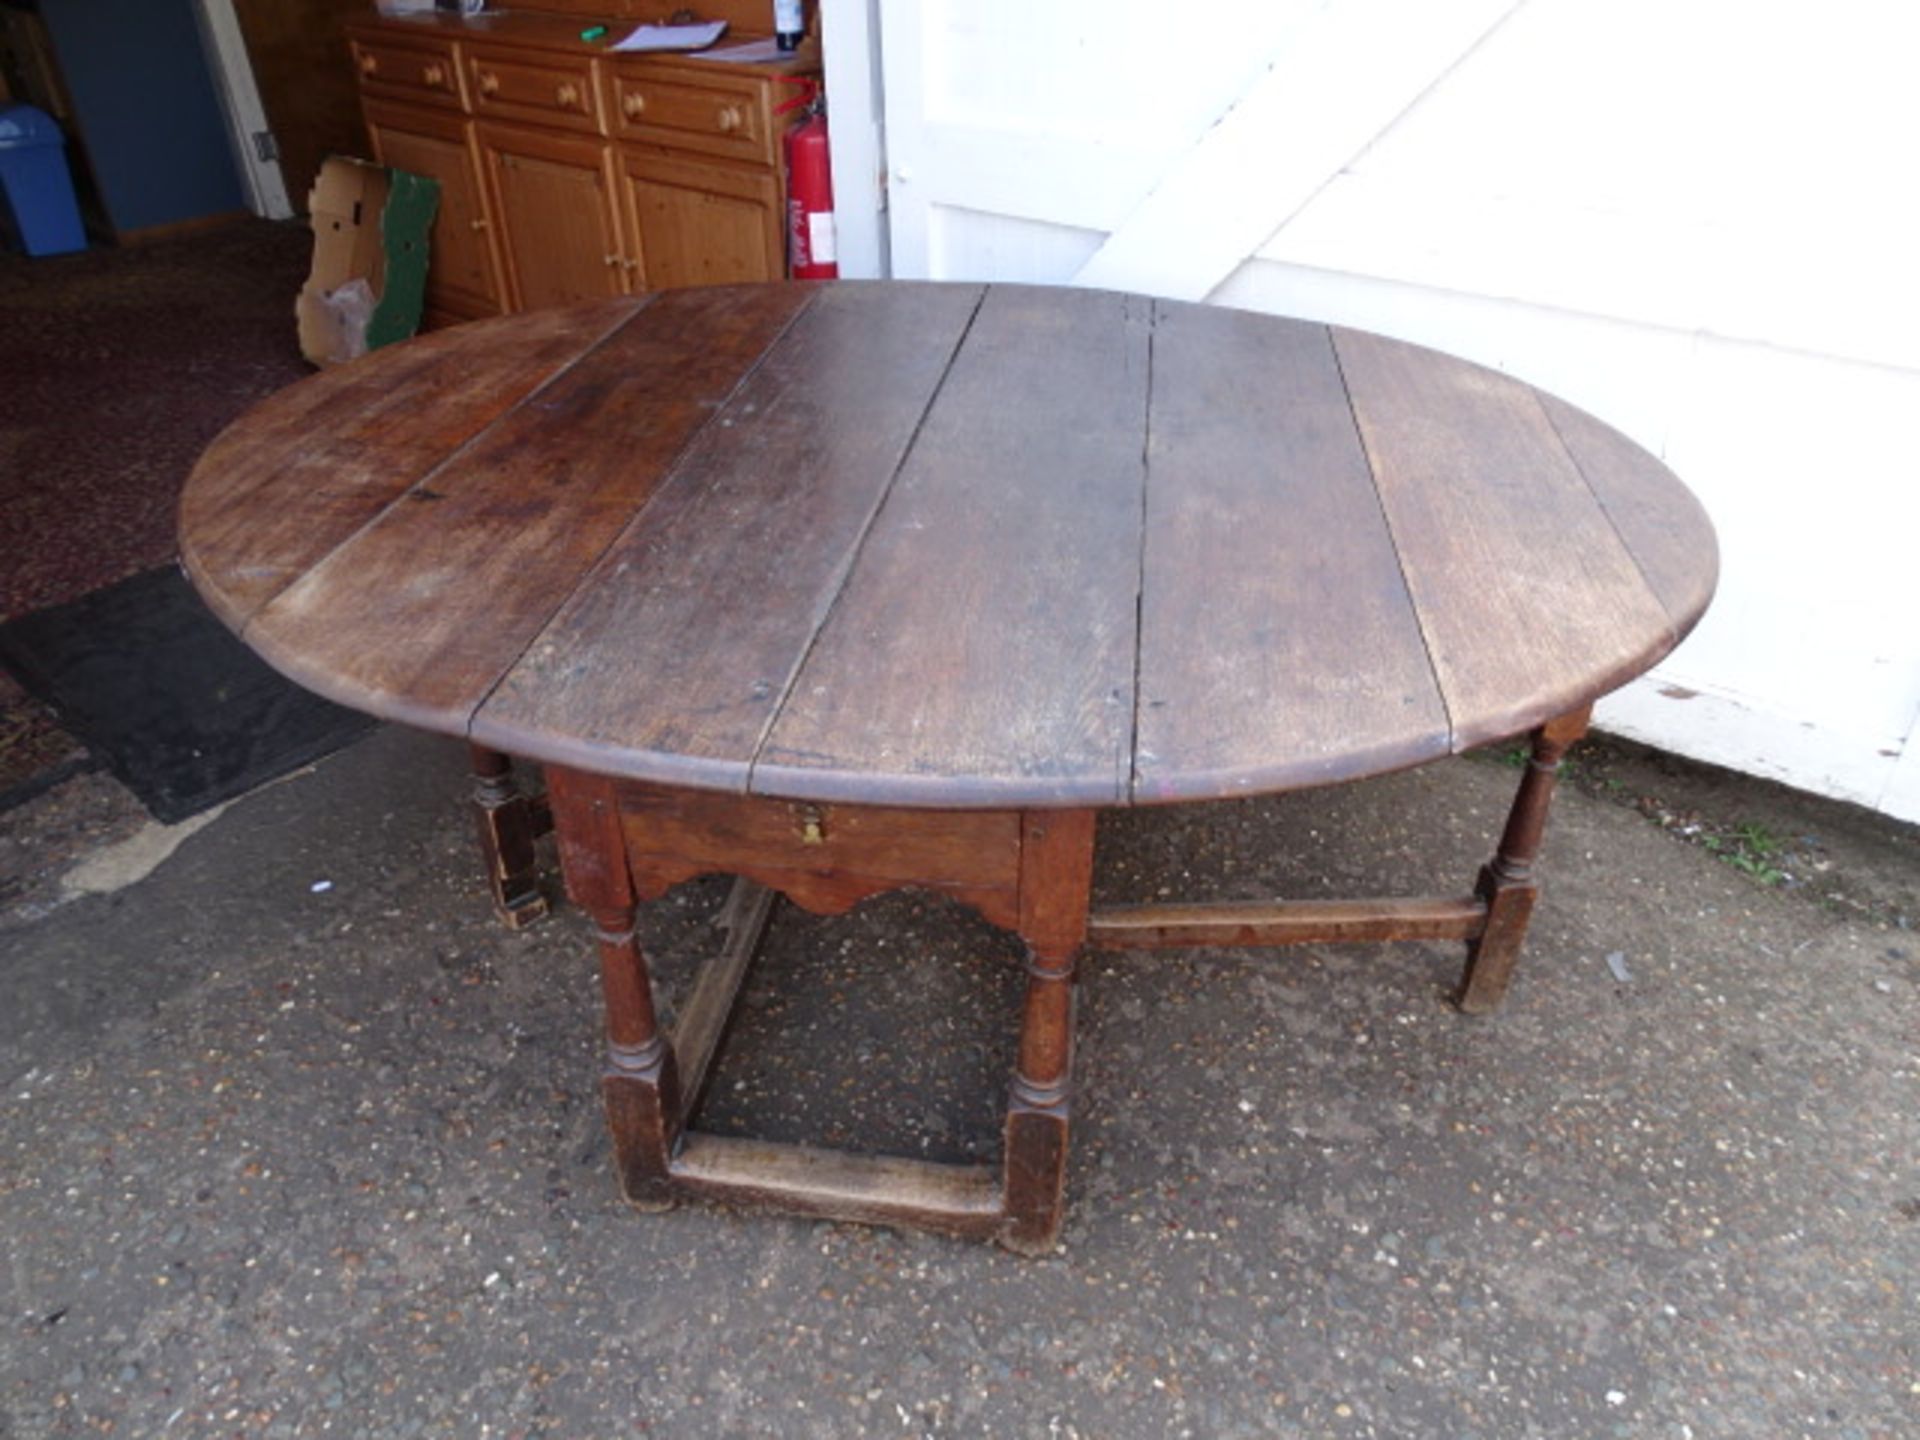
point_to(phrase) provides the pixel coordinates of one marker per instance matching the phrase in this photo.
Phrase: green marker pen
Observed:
(593, 32)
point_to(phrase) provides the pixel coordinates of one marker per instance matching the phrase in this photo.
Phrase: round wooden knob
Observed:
(489, 83)
(633, 103)
(434, 75)
(369, 64)
(729, 120)
(567, 95)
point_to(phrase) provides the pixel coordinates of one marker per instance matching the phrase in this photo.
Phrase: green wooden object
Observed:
(405, 222)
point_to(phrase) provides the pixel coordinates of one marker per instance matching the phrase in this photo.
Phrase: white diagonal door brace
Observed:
(1353, 70)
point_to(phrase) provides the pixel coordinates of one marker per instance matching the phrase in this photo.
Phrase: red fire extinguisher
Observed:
(811, 251)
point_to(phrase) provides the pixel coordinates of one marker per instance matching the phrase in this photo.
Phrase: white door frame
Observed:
(226, 51)
(857, 124)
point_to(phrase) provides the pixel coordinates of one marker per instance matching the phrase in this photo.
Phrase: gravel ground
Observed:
(296, 1141)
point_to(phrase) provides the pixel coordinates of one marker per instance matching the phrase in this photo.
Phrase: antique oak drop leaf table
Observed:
(846, 588)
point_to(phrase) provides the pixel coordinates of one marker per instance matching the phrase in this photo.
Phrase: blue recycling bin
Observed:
(39, 210)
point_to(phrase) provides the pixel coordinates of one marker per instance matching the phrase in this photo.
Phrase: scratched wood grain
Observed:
(419, 614)
(700, 614)
(982, 651)
(1278, 644)
(1529, 601)
(872, 544)
(1661, 522)
(306, 468)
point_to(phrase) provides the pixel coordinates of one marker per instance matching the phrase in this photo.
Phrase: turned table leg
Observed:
(641, 1082)
(1037, 1109)
(507, 824)
(1056, 874)
(1507, 885)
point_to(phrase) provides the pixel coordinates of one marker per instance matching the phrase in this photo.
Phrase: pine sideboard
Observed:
(570, 172)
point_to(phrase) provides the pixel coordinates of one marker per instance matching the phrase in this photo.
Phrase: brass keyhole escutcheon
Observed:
(811, 822)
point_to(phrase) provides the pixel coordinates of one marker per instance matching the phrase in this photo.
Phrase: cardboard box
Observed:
(369, 278)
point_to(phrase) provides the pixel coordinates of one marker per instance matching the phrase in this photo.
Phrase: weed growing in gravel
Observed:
(1749, 848)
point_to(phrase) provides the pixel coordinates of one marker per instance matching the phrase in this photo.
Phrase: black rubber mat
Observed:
(165, 696)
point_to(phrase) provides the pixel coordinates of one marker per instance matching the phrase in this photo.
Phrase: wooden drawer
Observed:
(422, 69)
(721, 116)
(681, 832)
(541, 86)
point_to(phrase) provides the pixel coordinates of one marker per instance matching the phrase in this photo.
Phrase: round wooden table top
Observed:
(947, 546)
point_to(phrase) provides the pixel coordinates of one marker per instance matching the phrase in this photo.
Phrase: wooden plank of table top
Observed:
(1278, 645)
(417, 616)
(695, 621)
(1529, 601)
(1658, 517)
(982, 651)
(310, 465)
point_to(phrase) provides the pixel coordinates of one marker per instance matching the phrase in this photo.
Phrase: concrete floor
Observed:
(296, 1141)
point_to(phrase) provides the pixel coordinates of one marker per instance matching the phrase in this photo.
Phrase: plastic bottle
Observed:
(789, 23)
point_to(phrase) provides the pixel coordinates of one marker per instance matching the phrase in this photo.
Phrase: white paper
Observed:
(749, 52)
(672, 37)
(821, 246)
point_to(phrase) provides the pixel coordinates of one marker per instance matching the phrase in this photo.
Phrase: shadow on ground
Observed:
(297, 1142)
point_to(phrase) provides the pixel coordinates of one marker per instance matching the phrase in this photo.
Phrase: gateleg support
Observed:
(508, 823)
(1506, 885)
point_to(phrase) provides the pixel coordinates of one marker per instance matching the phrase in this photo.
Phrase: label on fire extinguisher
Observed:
(821, 249)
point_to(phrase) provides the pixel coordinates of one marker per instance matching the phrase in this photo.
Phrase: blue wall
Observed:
(147, 109)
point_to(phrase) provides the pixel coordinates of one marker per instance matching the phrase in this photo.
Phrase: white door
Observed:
(1127, 145)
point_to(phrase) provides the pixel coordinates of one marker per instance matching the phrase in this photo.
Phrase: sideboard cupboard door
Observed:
(700, 222)
(463, 272)
(554, 211)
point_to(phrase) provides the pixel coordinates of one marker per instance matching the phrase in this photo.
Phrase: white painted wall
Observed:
(1695, 218)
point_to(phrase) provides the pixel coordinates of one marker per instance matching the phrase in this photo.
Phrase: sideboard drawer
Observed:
(423, 69)
(551, 89)
(720, 117)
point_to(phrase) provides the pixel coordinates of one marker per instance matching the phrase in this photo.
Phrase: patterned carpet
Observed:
(116, 368)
